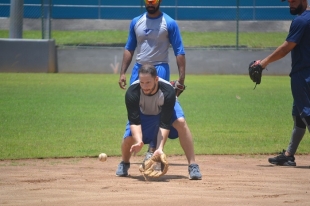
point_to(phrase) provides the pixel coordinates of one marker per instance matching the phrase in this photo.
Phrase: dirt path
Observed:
(227, 180)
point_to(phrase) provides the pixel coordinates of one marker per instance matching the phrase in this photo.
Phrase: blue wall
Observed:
(178, 9)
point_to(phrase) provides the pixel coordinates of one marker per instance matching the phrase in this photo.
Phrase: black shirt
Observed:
(162, 102)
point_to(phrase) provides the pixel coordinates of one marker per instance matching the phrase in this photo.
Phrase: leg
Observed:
(286, 158)
(298, 133)
(300, 88)
(186, 141)
(126, 145)
(124, 165)
(180, 129)
(185, 138)
(128, 141)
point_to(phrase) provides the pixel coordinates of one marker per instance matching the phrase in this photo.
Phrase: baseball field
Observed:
(54, 126)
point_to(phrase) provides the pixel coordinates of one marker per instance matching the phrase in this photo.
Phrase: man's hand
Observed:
(158, 152)
(255, 71)
(122, 81)
(136, 148)
(178, 87)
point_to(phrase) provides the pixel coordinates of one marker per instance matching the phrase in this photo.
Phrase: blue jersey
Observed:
(300, 34)
(151, 38)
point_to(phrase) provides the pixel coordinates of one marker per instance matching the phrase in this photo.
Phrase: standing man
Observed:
(298, 43)
(151, 35)
(152, 109)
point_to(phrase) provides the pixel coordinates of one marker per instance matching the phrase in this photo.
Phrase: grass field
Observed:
(76, 115)
(191, 39)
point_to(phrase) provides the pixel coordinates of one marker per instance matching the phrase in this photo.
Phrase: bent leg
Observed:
(126, 145)
(185, 138)
(124, 165)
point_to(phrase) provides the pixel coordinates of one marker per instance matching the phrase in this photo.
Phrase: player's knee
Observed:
(180, 122)
(128, 141)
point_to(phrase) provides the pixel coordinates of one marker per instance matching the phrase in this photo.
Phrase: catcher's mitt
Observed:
(149, 167)
(255, 72)
(179, 88)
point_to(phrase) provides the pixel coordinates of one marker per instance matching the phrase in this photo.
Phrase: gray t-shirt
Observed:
(151, 38)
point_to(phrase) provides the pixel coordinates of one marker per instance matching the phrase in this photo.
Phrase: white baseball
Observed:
(103, 157)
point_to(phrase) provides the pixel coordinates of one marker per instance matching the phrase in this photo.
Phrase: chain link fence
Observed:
(227, 15)
(255, 10)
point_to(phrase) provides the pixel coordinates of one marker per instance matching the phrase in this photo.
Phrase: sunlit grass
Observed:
(75, 115)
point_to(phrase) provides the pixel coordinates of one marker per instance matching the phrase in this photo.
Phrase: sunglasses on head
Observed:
(151, 1)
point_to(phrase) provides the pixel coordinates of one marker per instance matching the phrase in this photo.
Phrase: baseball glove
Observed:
(255, 72)
(179, 88)
(150, 168)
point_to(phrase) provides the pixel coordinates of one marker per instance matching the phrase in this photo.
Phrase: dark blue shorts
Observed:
(150, 126)
(163, 71)
(300, 86)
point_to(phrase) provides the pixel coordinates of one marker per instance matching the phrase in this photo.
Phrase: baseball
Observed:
(103, 157)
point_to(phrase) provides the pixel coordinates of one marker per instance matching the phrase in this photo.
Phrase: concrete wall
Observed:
(199, 61)
(22, 55)
(108, 59)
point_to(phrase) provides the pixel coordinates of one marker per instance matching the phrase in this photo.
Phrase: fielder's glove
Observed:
(149, 167)
(179, 88)
(255, 72)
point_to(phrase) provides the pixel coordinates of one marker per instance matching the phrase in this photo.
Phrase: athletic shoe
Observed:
(122, 169)
(194, 172)
(148, 156)
(283, 160)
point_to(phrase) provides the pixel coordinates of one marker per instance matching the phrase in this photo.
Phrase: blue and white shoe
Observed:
(122, 169)
(148, 156)
(194, 172)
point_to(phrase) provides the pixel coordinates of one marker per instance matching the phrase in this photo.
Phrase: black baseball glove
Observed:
(255, 72)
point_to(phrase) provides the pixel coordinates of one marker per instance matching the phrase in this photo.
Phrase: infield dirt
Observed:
(227, 180)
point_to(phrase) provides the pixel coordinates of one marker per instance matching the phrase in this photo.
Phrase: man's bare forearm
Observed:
(181, 63)
(127, 58)
(162, 137)
(136, 132)
(279, 53)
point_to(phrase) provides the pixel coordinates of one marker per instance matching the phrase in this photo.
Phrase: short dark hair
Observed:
(148, 69)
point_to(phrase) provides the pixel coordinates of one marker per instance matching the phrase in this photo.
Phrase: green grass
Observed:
(76, 115)
(191, 39)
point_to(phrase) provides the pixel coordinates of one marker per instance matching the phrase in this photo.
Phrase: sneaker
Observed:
(148, 156)
(122, 169)
(194, 172)
(283, 160)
